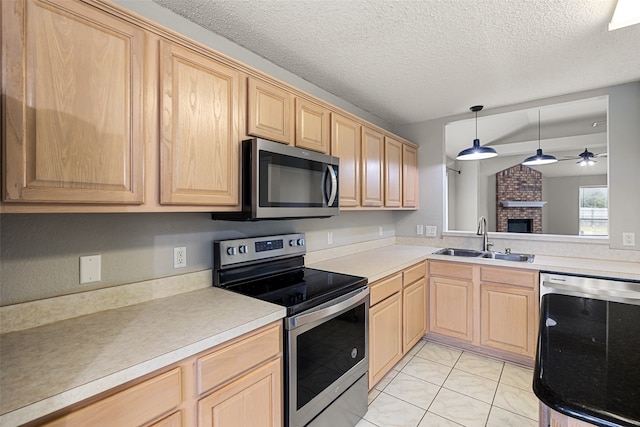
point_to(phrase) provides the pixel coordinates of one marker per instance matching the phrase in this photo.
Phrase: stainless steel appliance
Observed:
(280, 181)
(326, 328)
(587, 361)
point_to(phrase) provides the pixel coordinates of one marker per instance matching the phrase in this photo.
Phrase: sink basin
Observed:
(471, 253)
(509, 257)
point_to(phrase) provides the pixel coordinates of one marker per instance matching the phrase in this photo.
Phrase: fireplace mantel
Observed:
(521, 204)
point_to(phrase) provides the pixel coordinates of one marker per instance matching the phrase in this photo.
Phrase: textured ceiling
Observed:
(407, 61)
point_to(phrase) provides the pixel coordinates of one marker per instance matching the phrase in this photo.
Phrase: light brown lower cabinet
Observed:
(385, 327)
(492, 308)
(236, 384)
(248, 401)
(397, 319)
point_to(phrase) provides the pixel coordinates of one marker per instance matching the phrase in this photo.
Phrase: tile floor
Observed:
(439, 386)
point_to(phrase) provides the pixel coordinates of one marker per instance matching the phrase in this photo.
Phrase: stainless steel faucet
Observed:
(482, 231)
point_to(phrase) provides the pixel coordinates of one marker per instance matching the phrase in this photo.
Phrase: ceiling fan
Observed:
(586, 158)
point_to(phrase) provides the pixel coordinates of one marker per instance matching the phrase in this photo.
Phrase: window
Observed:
(594, 211)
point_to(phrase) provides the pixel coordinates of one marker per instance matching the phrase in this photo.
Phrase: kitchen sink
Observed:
(509, 256)
(471, 253)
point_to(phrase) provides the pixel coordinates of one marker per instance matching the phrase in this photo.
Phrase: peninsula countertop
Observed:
(49, 367)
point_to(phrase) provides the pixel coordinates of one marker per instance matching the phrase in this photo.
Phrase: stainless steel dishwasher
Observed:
(587, 360)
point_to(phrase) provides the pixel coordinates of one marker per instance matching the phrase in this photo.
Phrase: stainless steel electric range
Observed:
(326, 328)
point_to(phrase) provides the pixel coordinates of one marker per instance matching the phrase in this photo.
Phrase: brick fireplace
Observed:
(519, 198)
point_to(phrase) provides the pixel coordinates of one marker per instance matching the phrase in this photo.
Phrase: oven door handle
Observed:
(325, 310)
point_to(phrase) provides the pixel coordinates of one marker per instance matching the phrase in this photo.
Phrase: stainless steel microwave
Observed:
(284, 182)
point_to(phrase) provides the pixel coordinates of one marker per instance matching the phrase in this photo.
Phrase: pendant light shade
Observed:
(476, 152)
(539, 158)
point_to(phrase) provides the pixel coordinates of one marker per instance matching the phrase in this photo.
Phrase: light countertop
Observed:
(381, 262)
(47, 368)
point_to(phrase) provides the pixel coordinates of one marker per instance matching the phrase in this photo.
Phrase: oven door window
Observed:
(327, 351)
(290, 182)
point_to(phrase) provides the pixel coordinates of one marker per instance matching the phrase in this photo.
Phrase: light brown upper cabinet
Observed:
(270, 111)
(199, 155)
(409, 176)
(73, 112)
(312, 126)
(345, 144)
(372, 160)
(392, 173)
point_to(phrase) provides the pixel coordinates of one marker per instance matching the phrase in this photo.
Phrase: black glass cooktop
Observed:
(588, 361)
(299, 289)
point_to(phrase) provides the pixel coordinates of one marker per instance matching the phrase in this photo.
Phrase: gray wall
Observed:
(39, 253)
(624, 158)
(562, 196)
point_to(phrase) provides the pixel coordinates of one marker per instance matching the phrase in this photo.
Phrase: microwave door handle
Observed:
(334, 185)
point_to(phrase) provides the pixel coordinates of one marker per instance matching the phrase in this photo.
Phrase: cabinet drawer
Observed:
(451, 269)
(134, 406)
(415, 273)
(222, 365)
(526, 279)
(385, 288)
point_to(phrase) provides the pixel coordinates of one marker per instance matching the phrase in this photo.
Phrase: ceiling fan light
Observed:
(539, 159)
(476, 152)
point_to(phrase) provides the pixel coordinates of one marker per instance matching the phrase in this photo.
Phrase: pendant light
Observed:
(477, 152)
(539, 158)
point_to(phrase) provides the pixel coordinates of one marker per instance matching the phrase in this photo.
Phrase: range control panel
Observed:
(229, 252)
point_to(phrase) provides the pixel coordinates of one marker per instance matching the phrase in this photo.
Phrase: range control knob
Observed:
(231, 250)
(300, 242)
(243, 249)
(293, 242)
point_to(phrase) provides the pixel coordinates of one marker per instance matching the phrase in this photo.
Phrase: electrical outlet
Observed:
(90, 269)
(419, 229)
(629, 239)
(329, 237)
(380, 231)
(180, 257)
(431, 230)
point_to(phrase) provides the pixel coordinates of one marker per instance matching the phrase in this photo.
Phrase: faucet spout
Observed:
(482, 231)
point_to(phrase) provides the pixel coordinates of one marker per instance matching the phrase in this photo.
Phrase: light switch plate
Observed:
(431, 230)
(90, 269)
(629, 239)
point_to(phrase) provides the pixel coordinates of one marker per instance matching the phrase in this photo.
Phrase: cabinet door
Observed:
(508, 320)
(409, 176)
(414, 313)
(451, 307)
(253, 400)
(345, 144)
(385, 337)
(312, 126)
(73, 105)
(372, 160)
(392, 173)
(270, 112)
(199, 124)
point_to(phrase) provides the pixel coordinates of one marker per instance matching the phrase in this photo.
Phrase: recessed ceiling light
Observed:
(627, 13)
